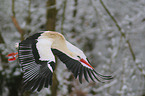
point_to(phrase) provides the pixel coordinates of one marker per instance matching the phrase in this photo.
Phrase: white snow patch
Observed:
(16, 73)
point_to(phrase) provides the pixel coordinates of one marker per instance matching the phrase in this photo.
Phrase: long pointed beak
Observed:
(85, 62)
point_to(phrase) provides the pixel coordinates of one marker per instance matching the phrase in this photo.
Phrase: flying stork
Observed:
(36, 57)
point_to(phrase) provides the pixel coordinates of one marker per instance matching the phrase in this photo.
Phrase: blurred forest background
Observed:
(110, 32)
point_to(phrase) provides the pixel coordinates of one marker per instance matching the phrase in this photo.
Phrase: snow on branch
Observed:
(106, 86)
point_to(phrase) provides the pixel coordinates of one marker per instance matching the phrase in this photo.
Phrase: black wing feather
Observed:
(36, 73)
(78, 69)
(102, 76)
(80, 75)
(85, 74)
(36, 84)
(90, 75)
(30, 84)
(73, 68)
(41, 84)
(69, 66)
(47, 81)
(96, 77)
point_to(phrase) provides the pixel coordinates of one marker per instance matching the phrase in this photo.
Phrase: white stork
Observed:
(36, 56)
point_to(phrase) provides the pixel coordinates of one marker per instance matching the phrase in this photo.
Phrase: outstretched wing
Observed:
(79, 69)
(37, 73)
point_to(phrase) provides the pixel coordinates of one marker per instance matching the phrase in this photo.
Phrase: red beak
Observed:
(85, 62)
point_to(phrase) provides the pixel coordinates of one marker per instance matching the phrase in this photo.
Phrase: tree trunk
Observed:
(50, 25)
(51, 15)
(3, 58)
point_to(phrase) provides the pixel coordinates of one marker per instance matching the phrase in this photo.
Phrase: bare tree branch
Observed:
(123, 35)
(15, 22)
(13, 7)
(119, 29)
(50, 25)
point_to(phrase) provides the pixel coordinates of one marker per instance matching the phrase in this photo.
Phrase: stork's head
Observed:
(83, 60)
(79, 55)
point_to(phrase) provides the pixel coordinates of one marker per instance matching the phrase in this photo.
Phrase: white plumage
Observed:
(36, 56)
(44, 49)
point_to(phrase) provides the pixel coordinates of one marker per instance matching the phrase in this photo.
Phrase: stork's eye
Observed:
(79, 57)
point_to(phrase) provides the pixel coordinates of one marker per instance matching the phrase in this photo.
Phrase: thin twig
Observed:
(106, 86)
(120, 29)
(15, 22)
(13, 7)
(123, 35)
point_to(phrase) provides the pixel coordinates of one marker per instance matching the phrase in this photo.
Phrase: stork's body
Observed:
(36, 56)
(52, 40)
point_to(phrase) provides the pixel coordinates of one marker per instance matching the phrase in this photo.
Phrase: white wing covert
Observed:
(37, 70)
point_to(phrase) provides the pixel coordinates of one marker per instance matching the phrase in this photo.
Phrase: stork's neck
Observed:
(61, 46)
(58, 42)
